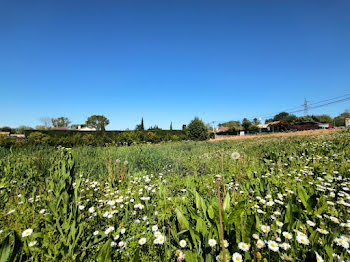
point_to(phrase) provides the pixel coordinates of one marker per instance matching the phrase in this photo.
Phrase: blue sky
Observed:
(170, 60)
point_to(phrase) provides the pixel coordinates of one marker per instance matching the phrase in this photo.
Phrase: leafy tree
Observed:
(40, 127)
(246, 124)
(97, 121)
(232, 125)
(291, 119)
(256, 121)
(20, 129)
(60, 122)
(6, 129)
(323, 118)
(184, 127)
(197, 130)
(154, 128)
(305, 119)
(340, 120)
(280, 116)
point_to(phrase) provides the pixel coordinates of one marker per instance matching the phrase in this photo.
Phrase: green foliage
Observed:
(60, 122)
(340, 120)
(323, 118)
(232, 125)
(37, 138)
(290, 180)
(97, 121)
(246, 124)
(197, 130)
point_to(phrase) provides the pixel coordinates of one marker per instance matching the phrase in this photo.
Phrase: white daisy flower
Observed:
(260, 244)
(142, 241)
(183, 243)
(273, 245)
(212, 242)
(32, 243)
(27, 232)
(236, 257)
(243, 246)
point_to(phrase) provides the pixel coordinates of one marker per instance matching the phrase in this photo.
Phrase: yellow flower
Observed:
(258, 255)
(265, 260)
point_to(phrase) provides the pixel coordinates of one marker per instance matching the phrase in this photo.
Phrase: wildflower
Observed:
(258, 255)
(212, 242)
(27, 232)
(111, 202)
(285, 246)
(157, 234)
(113, 244)
(237, 257)
(273, 246)
(302, 239)
(235, 155)
(91, 209)
(318, 257)
(226, 243)
(334, 219)
(96, 233)
(122, 231)
(109, 230)
(256, 236)
(154, 228)
(286, 257)
(287, 235)
(310, 223)
(32, 243)
(121, 244)
(265, 229)
(260, 244)
(280, 224)
(243, 246)
(322, 231)
(42, 211)
(161, 240)
(142, 241)
(183, 243)
(342, 242)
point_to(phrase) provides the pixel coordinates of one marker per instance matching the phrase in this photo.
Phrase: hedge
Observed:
(70, 138)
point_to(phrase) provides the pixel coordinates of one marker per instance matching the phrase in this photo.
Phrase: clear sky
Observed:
(170, 60)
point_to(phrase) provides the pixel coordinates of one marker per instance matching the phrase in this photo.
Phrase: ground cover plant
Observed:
(263, 199)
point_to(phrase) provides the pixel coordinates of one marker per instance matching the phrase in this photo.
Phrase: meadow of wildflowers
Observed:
(280, 199)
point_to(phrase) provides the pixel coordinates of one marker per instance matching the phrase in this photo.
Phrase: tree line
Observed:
(287, 119)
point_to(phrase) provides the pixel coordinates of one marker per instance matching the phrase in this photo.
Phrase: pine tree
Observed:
(142, 126)
(171, 125)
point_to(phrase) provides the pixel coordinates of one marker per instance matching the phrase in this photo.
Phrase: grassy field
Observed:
(262, 199)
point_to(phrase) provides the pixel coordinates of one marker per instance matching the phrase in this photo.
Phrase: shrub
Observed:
(38, 138)
(197, 130)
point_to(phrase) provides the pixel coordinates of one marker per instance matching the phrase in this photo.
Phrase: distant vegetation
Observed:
(287, 120)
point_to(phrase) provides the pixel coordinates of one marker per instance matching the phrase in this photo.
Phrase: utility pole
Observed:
(305, 107)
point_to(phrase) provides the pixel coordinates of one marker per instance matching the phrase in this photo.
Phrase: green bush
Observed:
(39, 138)
(197, 130)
